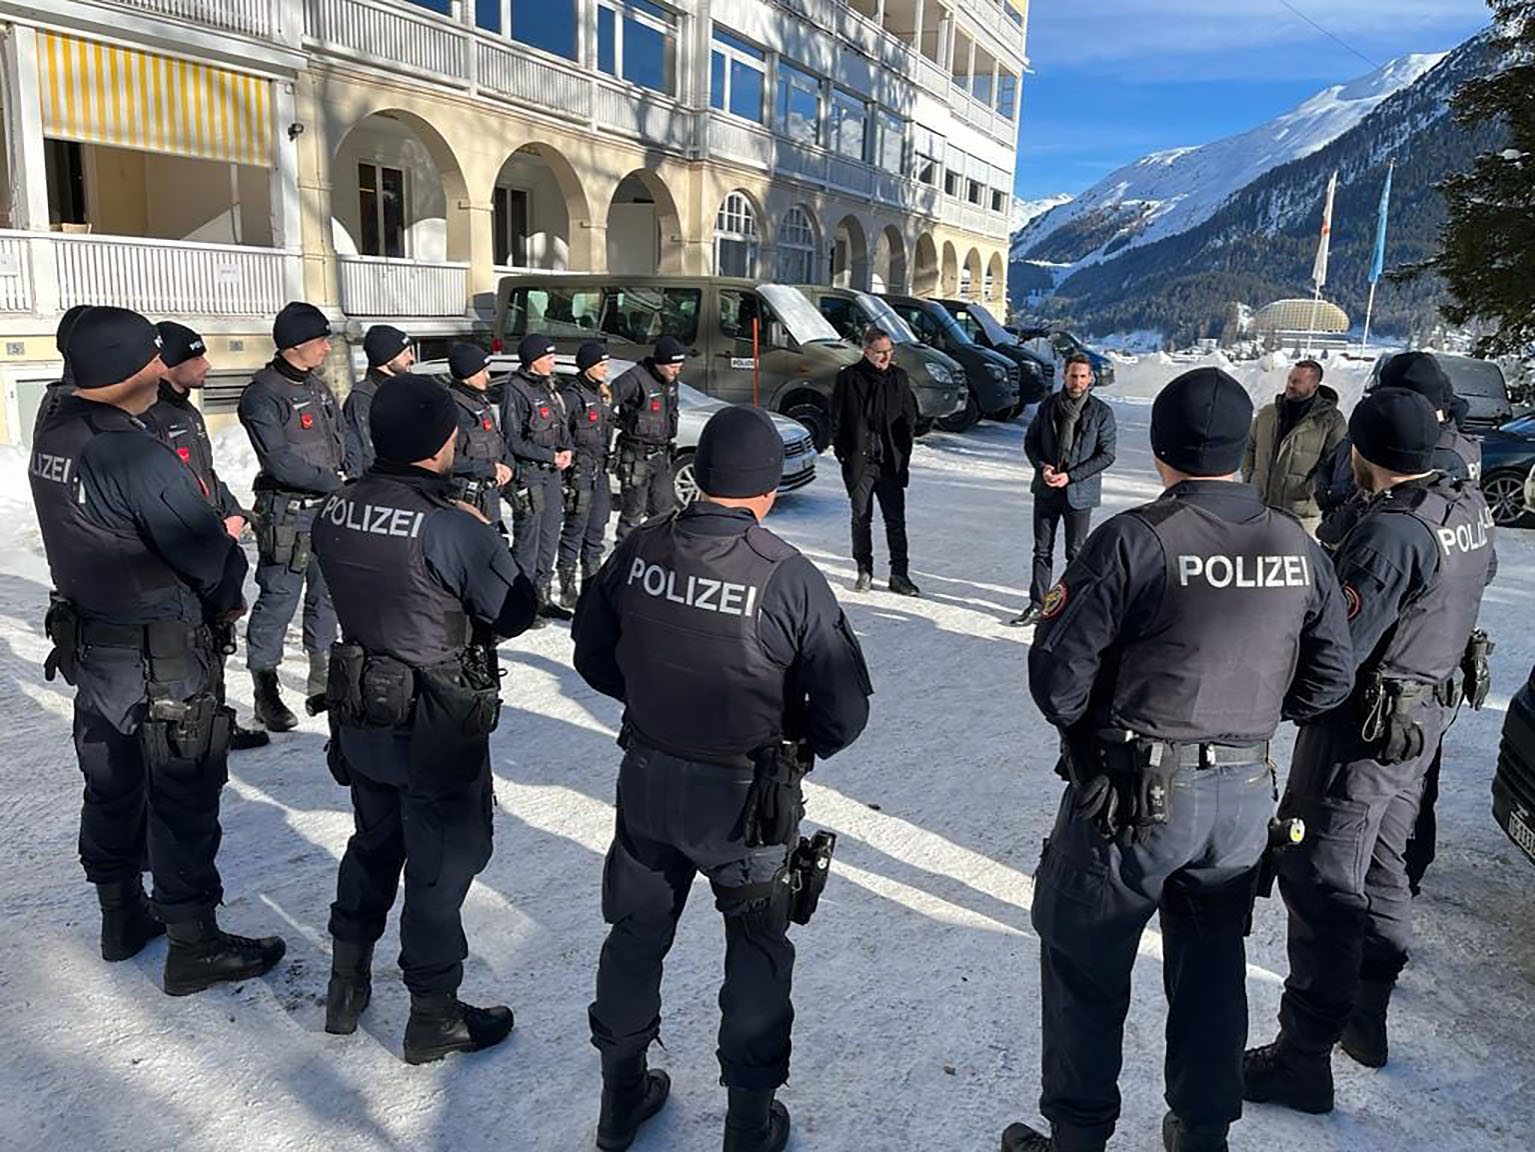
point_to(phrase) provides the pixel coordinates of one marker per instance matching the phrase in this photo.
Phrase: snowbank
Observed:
(1139, 380)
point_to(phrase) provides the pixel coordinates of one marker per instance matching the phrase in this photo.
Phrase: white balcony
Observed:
(16, 286)
(396, 36)
(377, 286)
(259, 18)
(169, 277)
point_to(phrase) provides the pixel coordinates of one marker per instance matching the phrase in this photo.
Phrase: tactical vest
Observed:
(591, 420)
(369, 540)
(107, 573)
(542, 427)
(311, 422)
(1430, 634)
(1216, 661)
(180, 427)
(1468, 452)
(479, 425)
(699, 682)
(654, 420)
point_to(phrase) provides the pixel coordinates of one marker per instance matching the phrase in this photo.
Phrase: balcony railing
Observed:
(644, 115)
(15, 272)
(520, 76)
(169, 277)
(391, 36)
(258, 18)
(377, 286)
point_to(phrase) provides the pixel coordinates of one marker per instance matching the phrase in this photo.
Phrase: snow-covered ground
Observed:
(917, 984)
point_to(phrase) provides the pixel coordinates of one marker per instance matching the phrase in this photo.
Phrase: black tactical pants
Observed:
(438, 831)
(875, 484)
(1093, 897)
(648, 488)
(586, 524)
(1048, 514)
(1425, 833)
(677, 818)
(132, 817)
(536, 525)
(1346, 885)
(281, 588)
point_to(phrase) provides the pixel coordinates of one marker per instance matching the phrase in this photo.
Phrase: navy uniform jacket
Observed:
(178, 423)
(354, 414)
(534, 434)
(295, 427)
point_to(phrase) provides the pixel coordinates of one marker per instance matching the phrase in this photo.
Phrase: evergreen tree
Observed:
(1488, 259)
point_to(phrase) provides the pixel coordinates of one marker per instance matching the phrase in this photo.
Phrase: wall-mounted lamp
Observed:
(295, 130)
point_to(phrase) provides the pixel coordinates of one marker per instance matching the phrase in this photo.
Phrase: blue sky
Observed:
(1115, 79)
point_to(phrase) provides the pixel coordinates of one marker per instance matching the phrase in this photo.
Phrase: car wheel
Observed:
(966, 418)
(684, 483)
(924, 425)
(813, 416)
(1505, 498)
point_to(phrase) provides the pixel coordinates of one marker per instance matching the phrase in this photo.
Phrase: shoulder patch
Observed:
(1055, 601)
(1351, 600)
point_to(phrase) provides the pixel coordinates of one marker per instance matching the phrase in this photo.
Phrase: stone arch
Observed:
(644, 227)
(738, 225)
(850, 264)
(948, 284)
(540, 214)
(996, 281)
(924, 271)
(972, 275)
(797, 241)
(889, 271)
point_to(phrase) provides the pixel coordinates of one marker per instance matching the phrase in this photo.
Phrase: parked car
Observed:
(1508, 458)
(992, 381)
(1513, 784)
(1479, 382)
(745, 340)
(1036, 374)
(1056, 344)
(693, 411)
(937, 379)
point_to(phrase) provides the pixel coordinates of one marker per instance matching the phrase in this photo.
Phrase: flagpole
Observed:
(1369, 310)
(1316, 305)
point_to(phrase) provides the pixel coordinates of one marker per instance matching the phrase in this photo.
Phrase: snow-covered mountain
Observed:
(1026, 211)
(1169, 192)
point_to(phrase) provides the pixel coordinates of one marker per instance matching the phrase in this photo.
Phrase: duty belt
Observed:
(1191, 755)
(300, 499)
(100, 634)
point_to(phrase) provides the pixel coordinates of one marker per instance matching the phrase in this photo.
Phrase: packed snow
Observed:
(916, 987)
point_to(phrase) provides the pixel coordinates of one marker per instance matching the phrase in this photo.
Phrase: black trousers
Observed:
(1048, 514)
(677, 818)
(586, 524)
(438, 831)
(648, 488)
(1346, 885)
(281, 590)
(1425, 834)
(536, 525)
(1092, 899)
(873, 485)
(166, 819)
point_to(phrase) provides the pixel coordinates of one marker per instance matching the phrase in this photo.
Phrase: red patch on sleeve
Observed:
(543, 413)
(655, 405)
(1055, 600)
(487, 423)
(1351, 600)
(306, 420)
(185, 454)
(593, 415)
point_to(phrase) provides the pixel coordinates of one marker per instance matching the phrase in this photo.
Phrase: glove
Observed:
(1099, 801)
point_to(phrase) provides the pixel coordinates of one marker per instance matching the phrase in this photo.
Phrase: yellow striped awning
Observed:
(104, 94)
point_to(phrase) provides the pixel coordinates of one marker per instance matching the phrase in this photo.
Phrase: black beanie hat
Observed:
(67, 324)
(669, 350)
(178, 343)
(1419, 372)
(740, 454)
(298, 323)
(412, 418)
(534, 347)
(110, 345)
(1199, 423)
(466, 360)
(589, 354)
(1396, 429)
(383, 343)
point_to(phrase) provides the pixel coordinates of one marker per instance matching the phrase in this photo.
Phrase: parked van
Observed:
(1036, 374)
(1479, 383)
(937, 379)
(993, 379)
(797, 352)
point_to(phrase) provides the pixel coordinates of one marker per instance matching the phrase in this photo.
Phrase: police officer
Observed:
(647, 434)
(479, 460)
(538, 438)
(1412, 570)
(389, 353)
(177, 422)
(422, 586)
(295, 428)
(1166, 656)
(65, 384)
(147, 578)
(722, 642)
(589, 401)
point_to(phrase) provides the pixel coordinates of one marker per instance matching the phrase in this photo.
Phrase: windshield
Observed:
(989, 325)
(799, 315)
(1524, 426)
(886, 317)
(1480, 378)
(690, 397)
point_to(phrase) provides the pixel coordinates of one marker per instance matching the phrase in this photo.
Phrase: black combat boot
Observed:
(901, 585)
(127, 924)
(1179, 1136)
(569, 593)
(864, 582)
(1025, 619)
(442, 1024)
(350, 988)
(548, 608)
(1364, 1036)
(242, 739)
(201, 955)
(270, 711)
(1277, 1074)
(314, 686)
(755, 1122)
(631, 1095)
(1022, 1138)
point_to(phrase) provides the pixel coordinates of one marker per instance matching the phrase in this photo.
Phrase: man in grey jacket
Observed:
(1289, 439)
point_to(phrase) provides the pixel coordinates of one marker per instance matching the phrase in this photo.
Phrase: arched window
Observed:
(990, 290)
(797, 262)
(736, 237)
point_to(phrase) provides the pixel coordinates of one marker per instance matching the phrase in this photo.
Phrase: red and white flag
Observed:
(1319, 269)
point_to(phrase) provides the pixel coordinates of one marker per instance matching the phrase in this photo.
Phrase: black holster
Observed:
(458, 706)
(578, 492)
(774, 804)
(185, 732)
(278, 540)
(809, 869)
(1476, 670)
(1391, 727)
(367, 690)
(62, 627)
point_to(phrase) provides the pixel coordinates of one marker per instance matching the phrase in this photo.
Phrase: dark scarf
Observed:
(1068, 415)
(880, 445)
(1292, 412)
(287, 371)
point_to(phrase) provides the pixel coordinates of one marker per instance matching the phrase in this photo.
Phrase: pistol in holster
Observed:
(1284, 834)
(809, 869)
(774, 804)
(1392, 709)
(1476, 670)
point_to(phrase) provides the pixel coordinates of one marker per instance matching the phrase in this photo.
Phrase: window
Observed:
(737, 77)
(796, 248)
(1013, 14)
(951, 183)
(738, 310)
(968, 323)
(975, 191)
(848, 120)
(982, 87)
(1007, 93)
(799, 105)
(487, 14)
(555, 312)
(890, 143)
(998, 200)
(637, 41)
(381, 209)
(926, 147)
(64, 161)
(509, 223)
(547, 24)
(735, 237)
(844, 316)
(644, 315)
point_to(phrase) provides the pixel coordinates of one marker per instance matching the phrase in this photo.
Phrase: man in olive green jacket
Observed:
(1289, 439)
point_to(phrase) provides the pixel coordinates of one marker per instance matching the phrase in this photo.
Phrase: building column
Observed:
(29, 165)
(321, 273)
(481, 220)
(287, 202)
(916, 34)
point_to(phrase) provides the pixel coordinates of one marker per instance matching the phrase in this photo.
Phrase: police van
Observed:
(1513, 786)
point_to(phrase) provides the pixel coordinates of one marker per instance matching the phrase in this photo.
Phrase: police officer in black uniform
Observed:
(1412, 571)
(1165, 722)
(177, 422)
(389, 353)
(479, 460)
(589, 401)
(65, 384)
(147, 581)
(423, 587)
(295, 427)
(538, 439)
(723, 642)
(647, 434)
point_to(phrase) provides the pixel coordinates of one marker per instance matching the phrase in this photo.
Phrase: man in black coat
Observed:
(873, 424)
(1070, 441)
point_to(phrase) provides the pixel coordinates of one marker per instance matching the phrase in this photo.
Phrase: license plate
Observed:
(794, 468)
(1521, 833)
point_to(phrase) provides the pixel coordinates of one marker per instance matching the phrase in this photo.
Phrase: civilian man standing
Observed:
(1289, 441)
(1070, 441)
(873, 425)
